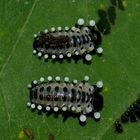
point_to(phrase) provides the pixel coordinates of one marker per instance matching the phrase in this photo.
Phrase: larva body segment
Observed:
(76, 97)
(77, 41)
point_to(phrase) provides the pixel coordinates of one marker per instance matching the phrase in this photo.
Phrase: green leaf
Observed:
(118, 67)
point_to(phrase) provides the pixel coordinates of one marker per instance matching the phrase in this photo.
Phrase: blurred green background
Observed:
(119, 67)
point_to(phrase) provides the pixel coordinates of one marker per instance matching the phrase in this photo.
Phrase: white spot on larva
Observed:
(59, 28)
(55, 108)
(82, 118)
(76, 53)
(88, 57)
(73, 108)
(80, 21)
(86, 78)
(75, 81)
(35, 35)
(35, 82)
(46, 56)
(42, 79)
(53, 56)
(57, 78)
(89, 109)
(29, 86)
(68, 54)
(97, 115)
(99, 50)
(66, 79)
(32, 106)
(34, 51)
(39, 107)
(52, 29)
(28, 104)
(66, 28)
(92, 23)
(73, 28)
(48, 108)
(49, 78)
(99, 84)
(64, 108)
(61, 56)
(46, 31)
(39, 54)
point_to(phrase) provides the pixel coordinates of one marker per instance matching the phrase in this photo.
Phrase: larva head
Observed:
(96, 37)
(97, 101)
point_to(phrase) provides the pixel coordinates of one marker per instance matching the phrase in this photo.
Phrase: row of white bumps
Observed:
(80, 22)
(82, 117)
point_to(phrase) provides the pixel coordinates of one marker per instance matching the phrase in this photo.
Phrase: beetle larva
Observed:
(77, 97)
(77, 41)
(132, 114)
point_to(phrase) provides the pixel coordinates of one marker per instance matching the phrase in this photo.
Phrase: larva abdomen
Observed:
(77, 41)
(76, 97)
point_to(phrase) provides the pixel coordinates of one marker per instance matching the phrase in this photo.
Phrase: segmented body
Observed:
(80, 97)
(65, 42)
(70, 42)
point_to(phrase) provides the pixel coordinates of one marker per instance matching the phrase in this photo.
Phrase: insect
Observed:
(77, 97)
(28, 133)
(80, 40)
(51, 136)
(118, 126)
(132, 114)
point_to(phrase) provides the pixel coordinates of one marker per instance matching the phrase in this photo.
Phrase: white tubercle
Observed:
(32, 106)
(39, 54)
(66, 28)
(89, 109)
(35, 35)
(35, 82)
(76, 53)
(49, 78)
(86, 78)
(64, 108)
(48, 108)
(99, 50)
(61, 56)
(34, 51)
(86, 29)
(66, 79)
(99, 84)
(73, 108)
(39, 107)
(68, 54)
(92, 23)
(73, 28)
(75, 81)
(88, 57)
(52, 29)
(80, 21)
(97, 115)
(57, 78)
(82, 118)
(56, 109)
(42, 79)
(46, 31)
(46, 56)
(29, 86)
(28, 104)
(59, 28)
(53, 56)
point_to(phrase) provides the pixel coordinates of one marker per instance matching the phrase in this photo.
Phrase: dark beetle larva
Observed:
(77, 41)
(77, 97)
(132, 114)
